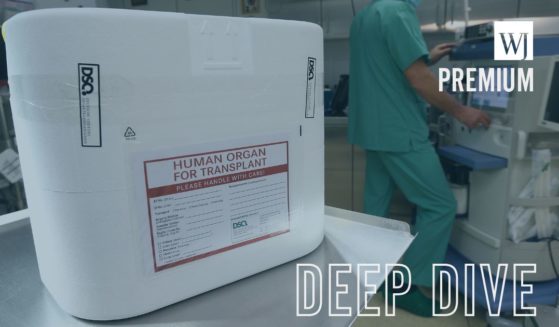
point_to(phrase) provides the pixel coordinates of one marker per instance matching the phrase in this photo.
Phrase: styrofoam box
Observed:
(165, 154)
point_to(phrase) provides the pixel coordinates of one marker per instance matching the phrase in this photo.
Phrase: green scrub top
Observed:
(385, 112)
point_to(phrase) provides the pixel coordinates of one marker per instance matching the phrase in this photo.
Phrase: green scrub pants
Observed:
(420, 177)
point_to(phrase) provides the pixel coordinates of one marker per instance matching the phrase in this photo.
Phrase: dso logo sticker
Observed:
(90, 104)
(514, 40)
(240, 224)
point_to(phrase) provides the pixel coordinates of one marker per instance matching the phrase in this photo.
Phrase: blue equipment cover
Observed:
(544, 45)
(475, 160)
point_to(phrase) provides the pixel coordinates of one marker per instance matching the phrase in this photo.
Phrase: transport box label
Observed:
(203, 203)
(90, 105)
(311, 88)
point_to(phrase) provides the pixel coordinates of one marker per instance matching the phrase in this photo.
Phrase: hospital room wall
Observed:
(335, 18)
(336, 54)
(333, 15)
(206, 7)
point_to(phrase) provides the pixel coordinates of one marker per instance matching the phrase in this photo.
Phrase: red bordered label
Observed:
(206, 203)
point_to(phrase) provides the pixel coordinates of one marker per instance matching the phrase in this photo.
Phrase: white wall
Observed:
(206, 7)
(335, 16)
(42, 4)
(213, 7)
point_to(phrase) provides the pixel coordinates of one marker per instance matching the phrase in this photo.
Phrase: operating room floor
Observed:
(404, 318)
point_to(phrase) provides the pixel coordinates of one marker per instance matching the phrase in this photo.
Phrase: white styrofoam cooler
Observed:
(165, 154)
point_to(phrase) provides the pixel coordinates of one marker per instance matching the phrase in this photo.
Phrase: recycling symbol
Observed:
(129, 132)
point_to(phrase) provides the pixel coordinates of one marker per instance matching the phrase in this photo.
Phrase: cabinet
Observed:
(338, 164)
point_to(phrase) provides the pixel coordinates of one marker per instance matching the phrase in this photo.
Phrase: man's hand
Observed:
(424, 82)
(440, 51)
(473, 118)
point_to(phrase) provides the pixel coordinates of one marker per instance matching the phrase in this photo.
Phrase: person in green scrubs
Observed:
(390, 80)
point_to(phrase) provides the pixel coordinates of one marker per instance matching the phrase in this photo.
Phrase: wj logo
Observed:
(514, 40)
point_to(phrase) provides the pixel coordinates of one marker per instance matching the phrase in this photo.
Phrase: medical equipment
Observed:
(499, 159)
(550, 116)
(161, 156)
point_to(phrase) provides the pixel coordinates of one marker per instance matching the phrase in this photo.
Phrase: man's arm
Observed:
(426, 84)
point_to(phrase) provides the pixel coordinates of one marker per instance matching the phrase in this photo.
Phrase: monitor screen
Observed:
(492, 100)
(551, 113)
